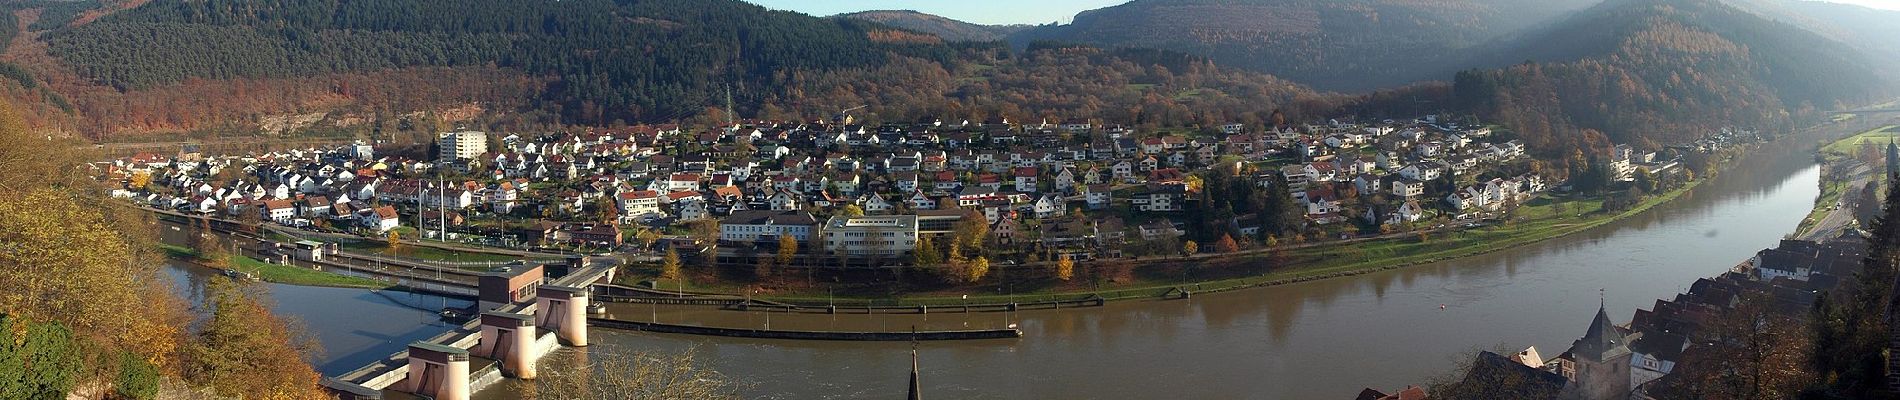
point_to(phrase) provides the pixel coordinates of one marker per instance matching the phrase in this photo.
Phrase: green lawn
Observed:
(293, 275)
(423, 252)
(1845, 147)
(285, 274)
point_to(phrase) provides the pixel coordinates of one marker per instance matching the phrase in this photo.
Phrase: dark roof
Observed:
(1602, 342)
(1494, 376)
(1370, 394)
(1662, 345)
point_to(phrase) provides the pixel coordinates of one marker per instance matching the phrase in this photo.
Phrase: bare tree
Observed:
(609, 375)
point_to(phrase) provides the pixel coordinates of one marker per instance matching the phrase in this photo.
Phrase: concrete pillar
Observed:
(563, 309)
(509, 339)
(437, 371)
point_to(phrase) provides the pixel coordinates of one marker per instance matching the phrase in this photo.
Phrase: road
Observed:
(1842, 213)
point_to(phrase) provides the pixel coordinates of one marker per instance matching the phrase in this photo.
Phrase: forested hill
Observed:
(948, 29)
(631, 60)
(1654, 72)
(1329, 44)
(295, 65)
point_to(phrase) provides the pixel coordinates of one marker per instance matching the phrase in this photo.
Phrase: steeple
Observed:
(1601, 360)
(1602, 341)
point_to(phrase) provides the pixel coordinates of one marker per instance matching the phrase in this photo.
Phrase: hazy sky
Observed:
(1021, 11)
(1886, 4)
(992, 12)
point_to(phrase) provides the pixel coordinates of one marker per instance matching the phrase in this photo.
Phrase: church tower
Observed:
(1602, 361)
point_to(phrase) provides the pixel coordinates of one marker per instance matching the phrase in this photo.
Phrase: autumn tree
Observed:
(670, 265)
(646, 237)
(787, 249)
(1750, 352)
(1190, 248)
(926, 253)
(704, 231)
(978, 268)
(970, 232)
(621, 375)
(244, 351)
(1226, 244)
(1065, 268)
(851, 211)
(139, 180)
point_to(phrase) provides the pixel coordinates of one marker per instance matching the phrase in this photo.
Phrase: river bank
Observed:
(1543, 218)
(274, 273)
(1847, 172)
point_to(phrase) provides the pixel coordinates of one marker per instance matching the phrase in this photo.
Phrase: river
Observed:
(1321, 339)
(353, 326)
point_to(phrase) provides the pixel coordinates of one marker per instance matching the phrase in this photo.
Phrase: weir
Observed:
(505, 341)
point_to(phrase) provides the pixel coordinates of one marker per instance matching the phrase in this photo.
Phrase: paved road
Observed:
(1831, 224)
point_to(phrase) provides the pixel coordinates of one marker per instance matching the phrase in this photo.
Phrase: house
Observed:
(692, 208)
(639, 202)
(1065, 180)
(279, 210)
(1422, 171)
(380, 219)
(1404, 187)
(1159, 229)
(1099, 196)
(316, 206)
(920, 201)
(1026, 180)
(1407, 212)
(783, 201)
(1164, 198)
(1049, 206)
(874, 203)
(682, 182)
(1123, 171)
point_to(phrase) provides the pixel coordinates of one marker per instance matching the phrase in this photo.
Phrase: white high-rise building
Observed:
(462, 145)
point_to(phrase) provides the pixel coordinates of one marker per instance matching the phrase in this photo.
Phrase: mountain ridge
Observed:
(949, 29)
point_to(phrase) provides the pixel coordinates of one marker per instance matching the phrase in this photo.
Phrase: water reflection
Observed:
(353, 326)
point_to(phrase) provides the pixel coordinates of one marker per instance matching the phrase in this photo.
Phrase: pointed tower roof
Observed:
(1602, 342)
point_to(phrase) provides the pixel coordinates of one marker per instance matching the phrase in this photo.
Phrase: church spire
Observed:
(1603, 340)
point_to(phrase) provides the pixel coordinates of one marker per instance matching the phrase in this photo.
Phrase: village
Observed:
(839, 193)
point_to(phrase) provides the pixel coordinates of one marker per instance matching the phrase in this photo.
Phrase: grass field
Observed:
(1845, 147)
(423, 252)
(285, 274)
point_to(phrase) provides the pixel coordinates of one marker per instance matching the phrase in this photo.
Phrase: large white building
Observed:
(462, 145)
(889, 235)
(766, 226)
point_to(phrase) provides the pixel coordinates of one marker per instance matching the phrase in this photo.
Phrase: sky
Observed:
(987, 12)
(1881, 4)
(1035, 12)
